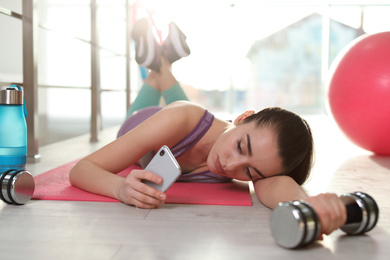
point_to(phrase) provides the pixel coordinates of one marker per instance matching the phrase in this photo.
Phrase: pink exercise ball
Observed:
(359, 92)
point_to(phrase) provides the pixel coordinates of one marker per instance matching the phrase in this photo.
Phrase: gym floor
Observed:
(97, 230)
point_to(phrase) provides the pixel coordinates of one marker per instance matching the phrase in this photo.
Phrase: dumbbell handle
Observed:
(354, 213)
(294, 224)
(362, 213)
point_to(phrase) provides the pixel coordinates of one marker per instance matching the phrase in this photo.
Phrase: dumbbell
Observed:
(17, 187)
(295, 224)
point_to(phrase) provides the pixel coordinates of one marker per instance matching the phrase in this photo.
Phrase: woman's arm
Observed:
(271, 191)
(329, 207)
(94, 173)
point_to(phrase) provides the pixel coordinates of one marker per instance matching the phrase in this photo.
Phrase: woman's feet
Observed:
(149, 53)
(175, 46)
(146, 47)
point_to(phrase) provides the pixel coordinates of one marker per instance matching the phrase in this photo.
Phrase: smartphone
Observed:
(165, 165)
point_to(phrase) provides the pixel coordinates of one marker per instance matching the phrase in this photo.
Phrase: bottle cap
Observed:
(11, 96)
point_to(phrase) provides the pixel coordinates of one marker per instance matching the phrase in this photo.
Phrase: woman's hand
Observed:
(134, 192)
(331, 211)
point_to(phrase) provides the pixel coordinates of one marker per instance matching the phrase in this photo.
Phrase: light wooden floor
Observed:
(95, 230)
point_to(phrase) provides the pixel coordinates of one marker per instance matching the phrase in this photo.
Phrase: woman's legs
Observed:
(149, 94)
(147, 97)
(170, 88)
(160, 81)
(158, 84)
(174, 93)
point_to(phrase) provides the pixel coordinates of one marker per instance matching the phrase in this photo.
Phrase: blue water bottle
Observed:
(13, 129)
(16, 184)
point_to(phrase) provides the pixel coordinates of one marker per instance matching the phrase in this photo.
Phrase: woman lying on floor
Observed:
(272, 148)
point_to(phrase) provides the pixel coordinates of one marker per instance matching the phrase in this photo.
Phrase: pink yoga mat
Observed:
(54, 185)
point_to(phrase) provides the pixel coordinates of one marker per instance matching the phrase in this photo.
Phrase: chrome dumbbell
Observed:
(17, 187)
(296, 224)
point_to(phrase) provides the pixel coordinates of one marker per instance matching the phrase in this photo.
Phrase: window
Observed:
(244, 54)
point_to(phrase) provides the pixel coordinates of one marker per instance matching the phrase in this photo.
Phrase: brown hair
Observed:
(295, 141)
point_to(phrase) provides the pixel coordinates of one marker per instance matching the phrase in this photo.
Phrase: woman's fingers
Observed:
(331, 211)
(137, 193)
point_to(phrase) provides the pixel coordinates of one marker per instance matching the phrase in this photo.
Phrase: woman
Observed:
(272, 148)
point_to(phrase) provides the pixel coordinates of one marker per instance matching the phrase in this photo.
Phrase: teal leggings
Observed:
(149, 96)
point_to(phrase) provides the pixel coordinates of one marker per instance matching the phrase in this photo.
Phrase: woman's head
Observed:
(245, 152)
(294, 140)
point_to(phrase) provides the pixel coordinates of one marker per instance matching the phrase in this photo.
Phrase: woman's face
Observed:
(245, 152)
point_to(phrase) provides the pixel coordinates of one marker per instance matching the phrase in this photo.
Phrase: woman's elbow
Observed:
(73, 174)
(277, 189)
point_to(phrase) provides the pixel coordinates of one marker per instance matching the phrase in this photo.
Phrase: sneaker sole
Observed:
(151, 53)
(178, 40)
(146, 50)
(138, 36)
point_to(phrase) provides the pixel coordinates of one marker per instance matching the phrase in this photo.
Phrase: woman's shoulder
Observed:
(186, 109)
